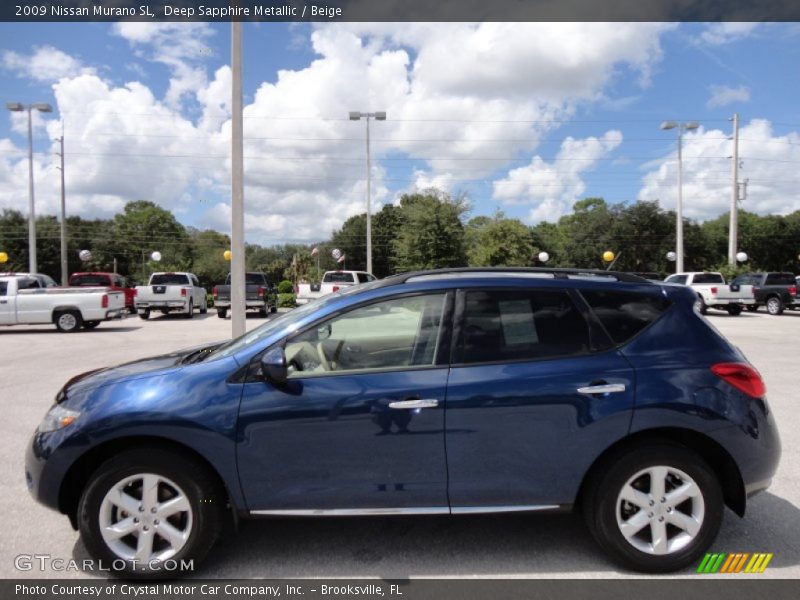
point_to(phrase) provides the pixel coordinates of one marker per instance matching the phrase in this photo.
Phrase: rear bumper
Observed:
(161, 304)
(248, 304)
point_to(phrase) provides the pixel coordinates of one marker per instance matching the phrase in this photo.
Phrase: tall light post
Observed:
(64, 273)
(378, 116)
(681, 128)
(41, 107)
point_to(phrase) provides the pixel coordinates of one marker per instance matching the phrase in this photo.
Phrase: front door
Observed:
(359, 425)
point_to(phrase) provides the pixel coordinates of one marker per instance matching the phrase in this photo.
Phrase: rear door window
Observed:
(3, 288)
(89, 280)
(677, 279)
(780, 279)
(624, 314)
(512, 325)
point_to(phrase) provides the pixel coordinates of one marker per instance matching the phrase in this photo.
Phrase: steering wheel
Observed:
(323, 359)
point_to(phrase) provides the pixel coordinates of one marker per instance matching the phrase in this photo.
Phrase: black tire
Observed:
(90, 324)
(206, 501)
(273, 309)
(190, 313)
(600, 504)
(700, 305)
(734, 310)
(68, 321)
(775, 305)
(222, 313)
(262, 312)
(145, 315)
(204, 309)
(752, 307)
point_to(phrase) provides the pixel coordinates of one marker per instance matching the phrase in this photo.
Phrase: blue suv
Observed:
(439, 392)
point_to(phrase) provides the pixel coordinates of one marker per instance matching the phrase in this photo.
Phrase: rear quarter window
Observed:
(780, 279)
(624, 314)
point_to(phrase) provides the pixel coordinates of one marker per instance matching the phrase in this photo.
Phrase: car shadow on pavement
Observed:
(51, 329)
(483, 546)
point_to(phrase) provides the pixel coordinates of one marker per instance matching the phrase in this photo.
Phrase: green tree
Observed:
(498, 241)
(431, 234)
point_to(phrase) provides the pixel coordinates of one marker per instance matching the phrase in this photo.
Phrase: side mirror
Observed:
(273, 366)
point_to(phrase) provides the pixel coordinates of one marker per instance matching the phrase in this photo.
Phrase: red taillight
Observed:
(183, 291)
(262, 291)
(793, 290)
(713, 291)
(214, 292)
(336, 288)
(134, 291)
(741, 376)
(104, 301)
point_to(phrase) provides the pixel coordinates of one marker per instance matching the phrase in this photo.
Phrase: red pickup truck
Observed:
(113, 281)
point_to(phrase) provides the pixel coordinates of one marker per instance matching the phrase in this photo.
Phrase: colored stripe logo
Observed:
(737, 562)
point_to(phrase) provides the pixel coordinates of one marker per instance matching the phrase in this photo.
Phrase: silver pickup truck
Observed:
(171, 292)
(24, 302)
(713, 292)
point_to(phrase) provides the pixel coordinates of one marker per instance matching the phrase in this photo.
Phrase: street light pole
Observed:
(681, 128)
(238, 324)
(733, 232)
(378, 116)
(64, 274)
(41, 107)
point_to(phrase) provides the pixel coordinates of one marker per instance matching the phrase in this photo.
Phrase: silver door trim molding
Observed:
(352, 512)
(424, 510)
(608, 388)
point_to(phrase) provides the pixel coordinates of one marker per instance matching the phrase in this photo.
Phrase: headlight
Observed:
(56, 418)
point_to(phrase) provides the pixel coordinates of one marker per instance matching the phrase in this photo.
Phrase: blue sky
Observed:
(526, 118)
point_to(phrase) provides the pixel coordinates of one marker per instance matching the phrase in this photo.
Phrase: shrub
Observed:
(285, 287)
(210, 300)
(286, 300)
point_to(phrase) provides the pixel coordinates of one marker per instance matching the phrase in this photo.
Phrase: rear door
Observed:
(7, 316)
(535, 394)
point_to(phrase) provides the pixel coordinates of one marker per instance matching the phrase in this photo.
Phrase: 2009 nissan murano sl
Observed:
(439, 392)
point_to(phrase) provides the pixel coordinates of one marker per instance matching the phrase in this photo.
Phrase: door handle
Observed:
(417, 403)
(605, 388)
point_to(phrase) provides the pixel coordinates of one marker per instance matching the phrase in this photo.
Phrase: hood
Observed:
(138, 368)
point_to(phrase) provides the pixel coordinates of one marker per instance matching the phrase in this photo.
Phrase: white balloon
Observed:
(336, 253)
(672, 256)
(85, 255)
(741, 256)
(544, 257)
(156, 256)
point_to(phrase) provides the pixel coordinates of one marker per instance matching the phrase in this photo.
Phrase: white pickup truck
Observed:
(171, 292)
(713, 292)
(24, 302)
(332, 281)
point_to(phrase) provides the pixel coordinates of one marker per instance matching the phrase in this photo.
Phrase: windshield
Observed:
(286, 320)
(169, 279)
(89, 280)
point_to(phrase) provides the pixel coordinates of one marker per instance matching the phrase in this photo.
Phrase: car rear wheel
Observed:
(147, 513)
(68, 321)
(204, 308)
(700, 305)
(734, 310)
(222, 313)
(90, 324)
(145, 314)
(752, 307)
(774, 305)
(656, 508)
(190, 313)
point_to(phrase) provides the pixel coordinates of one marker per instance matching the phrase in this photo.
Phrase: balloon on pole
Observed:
(156, 256)
(608, 256)
(85, 255)
(227, 255)
(544, 257)
(3, 257)
(336, 253)
(741, 256)
(672, 256)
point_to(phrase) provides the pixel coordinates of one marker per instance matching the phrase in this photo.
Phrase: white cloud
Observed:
(554, 187)
(767, 160)
(718, 34)
(463, 115)
(46, 64)
(722, 95)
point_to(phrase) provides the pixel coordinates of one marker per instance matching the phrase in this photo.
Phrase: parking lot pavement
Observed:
(36, 361)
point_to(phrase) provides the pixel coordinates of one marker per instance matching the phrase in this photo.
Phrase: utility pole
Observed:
(733, 233)
(64, 273)
(237, 186)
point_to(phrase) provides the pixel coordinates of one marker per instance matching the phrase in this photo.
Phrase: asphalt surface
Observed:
(36, 361)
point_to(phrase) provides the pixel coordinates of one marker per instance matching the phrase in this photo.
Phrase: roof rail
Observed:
(556, 272)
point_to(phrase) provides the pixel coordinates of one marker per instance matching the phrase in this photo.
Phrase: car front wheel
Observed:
(150, 514)
(655, 509)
